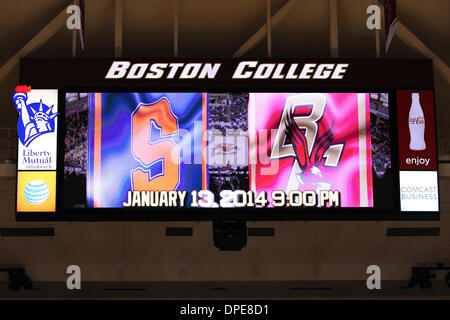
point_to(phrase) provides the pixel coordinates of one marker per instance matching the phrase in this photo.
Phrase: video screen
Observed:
(227, 150)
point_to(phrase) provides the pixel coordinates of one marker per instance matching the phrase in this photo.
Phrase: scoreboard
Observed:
(215, 139)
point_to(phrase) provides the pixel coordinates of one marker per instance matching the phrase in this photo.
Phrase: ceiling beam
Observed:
(414, 42)
(118, 29)
(36, 42)
(262, 32)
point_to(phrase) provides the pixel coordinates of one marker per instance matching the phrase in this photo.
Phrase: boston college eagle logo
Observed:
(297, 137)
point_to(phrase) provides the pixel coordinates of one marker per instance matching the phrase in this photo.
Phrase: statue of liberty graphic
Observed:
(35, 119)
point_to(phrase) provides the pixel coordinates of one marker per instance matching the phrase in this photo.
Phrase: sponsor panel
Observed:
(419, 191)
(37, 129)
(416, 130)
(36, 191)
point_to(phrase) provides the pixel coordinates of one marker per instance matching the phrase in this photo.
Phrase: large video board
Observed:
(251, 140)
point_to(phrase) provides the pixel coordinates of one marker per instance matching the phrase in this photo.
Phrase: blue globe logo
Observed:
(36, 192)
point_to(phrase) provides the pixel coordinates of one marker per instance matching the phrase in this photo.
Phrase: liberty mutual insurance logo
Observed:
(35, 119)
(36, 127)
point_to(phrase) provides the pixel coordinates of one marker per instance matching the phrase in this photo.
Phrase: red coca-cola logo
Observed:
(417, 120)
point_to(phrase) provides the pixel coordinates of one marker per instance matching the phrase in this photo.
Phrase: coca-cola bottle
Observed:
(416, 124)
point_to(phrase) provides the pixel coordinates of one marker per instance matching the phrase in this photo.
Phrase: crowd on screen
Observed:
(228, 178)
(75, 152)
(380, 138)
(76, 143)
(228, 111)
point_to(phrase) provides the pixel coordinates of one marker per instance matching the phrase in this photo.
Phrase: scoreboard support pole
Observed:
(377, 39)
(269, 29)
(118, 28)
(334, 36)
(175, 29)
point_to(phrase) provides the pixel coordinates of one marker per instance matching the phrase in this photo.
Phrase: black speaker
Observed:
(230, 235)
(18, 279)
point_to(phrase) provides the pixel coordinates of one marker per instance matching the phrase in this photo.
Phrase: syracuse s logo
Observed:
(310, 151)
(35, 119)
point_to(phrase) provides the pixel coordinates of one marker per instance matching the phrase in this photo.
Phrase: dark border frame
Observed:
(209, 214)
(363, 75)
